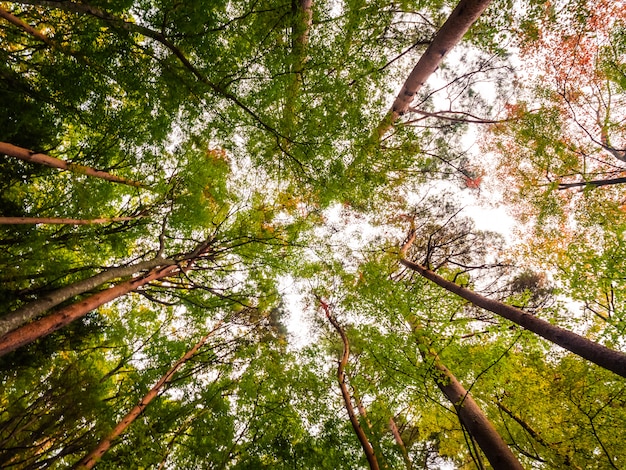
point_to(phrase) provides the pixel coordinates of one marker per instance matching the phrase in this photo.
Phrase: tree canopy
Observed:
(239, 235)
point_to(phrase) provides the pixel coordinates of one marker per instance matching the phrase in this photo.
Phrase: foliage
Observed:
(251, 130)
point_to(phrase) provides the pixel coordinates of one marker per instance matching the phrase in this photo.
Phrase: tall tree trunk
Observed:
(592, 183)
(57, 320)
(29, 29)
(60, 220)
(610, 359)
(400, 442)
(345, 393)
(28, 312)
(301, 26)
(378, 451)
(105, 444)
(471, 416)
(450, 34)
(303, 18)
(33, 157)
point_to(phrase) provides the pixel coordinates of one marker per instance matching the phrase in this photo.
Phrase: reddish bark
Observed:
(40, 158)
(105, 444)
(57, 320)
(30, 311)
(345, 393)
(600, 355)
(29, 29)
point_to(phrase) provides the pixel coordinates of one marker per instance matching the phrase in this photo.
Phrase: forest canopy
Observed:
(240, 235)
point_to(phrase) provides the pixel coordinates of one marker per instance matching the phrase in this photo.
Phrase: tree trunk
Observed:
(29, 29)
(593, 183)
(471, 416)
(302, 20)
(60, 221)
(398, 438)
(28, 312)
(345, 393)
(450, 34)
(600, 355)
(33, 157)
(96, 454)
(604, 138)
(57, 320)
(301, 30)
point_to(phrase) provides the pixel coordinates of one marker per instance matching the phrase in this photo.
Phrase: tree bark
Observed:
(60, 220)
(29, 29)
(604, 138)
(105, 444)
(57, 320)
(593, 183)
(33, 157)
(450, 34)
(345, 393)
(398, 438)
(600, 355)
(302, 20)
(21, 316)
(471, 416)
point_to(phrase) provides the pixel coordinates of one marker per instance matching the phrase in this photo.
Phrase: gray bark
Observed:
(450, 34)
(477, 424)
(30, 311)
(600, 355)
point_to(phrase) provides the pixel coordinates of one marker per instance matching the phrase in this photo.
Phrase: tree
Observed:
(96, 454)
(29, 332)
(368, 449)
(277, 151)
(34, 157)
(601, 355)
(472, 417)
(26, 313)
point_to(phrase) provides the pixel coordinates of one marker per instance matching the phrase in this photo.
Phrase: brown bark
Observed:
(471, 416)
(40, 158)
(57, 320)
(600, 355)
(450, 34)
(60, 221)
(105, 444)
(593, 183)
(21, 316)
(400, 442)
(345, 393)
(26, 27)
